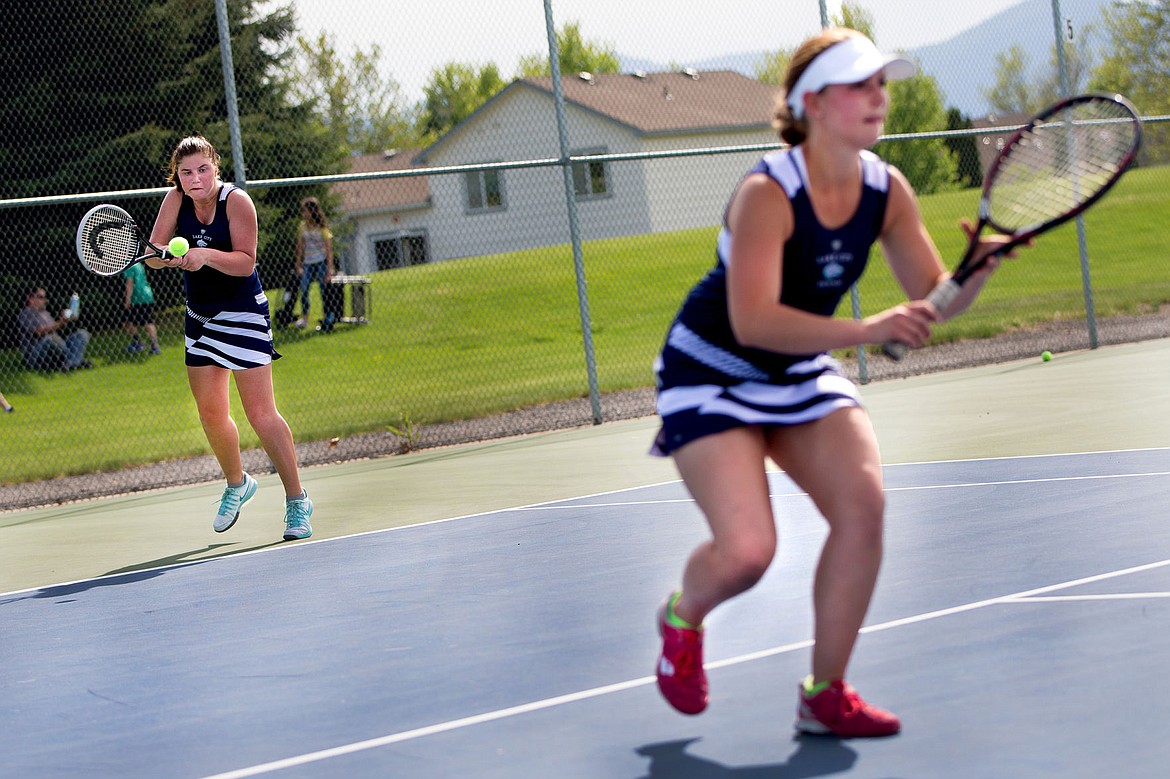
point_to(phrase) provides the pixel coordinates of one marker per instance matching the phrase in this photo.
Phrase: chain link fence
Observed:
(510, 246)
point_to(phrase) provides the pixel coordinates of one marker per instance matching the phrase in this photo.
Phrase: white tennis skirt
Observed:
(236, 340)
(691, 412)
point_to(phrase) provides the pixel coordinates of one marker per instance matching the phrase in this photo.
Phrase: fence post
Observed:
(574, 232)
(854, 291)
(240, 176)
(1082, 244)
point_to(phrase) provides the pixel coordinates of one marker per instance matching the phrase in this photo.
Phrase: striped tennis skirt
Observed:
(817, 388)
(236, 340)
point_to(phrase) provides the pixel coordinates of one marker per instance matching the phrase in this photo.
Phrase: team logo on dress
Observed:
(833, 264)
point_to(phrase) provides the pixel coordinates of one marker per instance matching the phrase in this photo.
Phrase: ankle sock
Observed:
(812, 690)
(674, 620)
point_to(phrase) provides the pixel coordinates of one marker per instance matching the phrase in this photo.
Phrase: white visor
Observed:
(848, 62)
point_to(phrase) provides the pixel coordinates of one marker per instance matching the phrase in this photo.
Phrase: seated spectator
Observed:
(42, 346)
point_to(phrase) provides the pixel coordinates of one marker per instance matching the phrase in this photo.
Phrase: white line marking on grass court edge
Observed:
(596, 692)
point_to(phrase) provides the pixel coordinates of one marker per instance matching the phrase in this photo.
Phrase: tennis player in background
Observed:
(745, 373)
(228, 330)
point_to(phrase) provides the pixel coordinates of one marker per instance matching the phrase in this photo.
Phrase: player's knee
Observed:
(749, 563)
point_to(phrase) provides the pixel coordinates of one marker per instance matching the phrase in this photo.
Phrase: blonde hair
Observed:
(192, 144)
(792, 130)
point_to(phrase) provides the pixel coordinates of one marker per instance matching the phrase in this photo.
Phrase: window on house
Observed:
(400, 249)
(590, 179)
(485, 190)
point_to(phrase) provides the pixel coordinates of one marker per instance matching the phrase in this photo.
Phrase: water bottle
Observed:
(74, 306)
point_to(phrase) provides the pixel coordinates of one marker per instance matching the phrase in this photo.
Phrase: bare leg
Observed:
(256, 394)
(725, 474)
(209, 386)
(836, 461)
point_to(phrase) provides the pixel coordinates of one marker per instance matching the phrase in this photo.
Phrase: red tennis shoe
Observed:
(681, 677)
(838, 710)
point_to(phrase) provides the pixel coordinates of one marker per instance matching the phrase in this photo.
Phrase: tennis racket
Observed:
(1052, 169)
(108, 241)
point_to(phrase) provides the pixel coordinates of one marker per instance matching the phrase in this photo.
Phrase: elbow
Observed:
(746, 335)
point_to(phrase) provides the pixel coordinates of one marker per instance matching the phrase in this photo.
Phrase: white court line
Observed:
(1109, 596)
(596, 692)
(563, 503)
(954, 485)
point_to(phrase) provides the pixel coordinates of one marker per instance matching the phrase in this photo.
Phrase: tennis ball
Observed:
(1045, 355)
(178, 246)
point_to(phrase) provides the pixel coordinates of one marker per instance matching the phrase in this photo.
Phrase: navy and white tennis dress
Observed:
(708, 382)
(227, 321)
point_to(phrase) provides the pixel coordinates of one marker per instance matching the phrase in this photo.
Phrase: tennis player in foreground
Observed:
(745, 373)
(228, 329)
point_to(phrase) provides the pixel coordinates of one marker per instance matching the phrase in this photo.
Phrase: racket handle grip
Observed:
(941, 298)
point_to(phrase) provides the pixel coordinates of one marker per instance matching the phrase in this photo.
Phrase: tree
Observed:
(857, 18)
(98, 92)
(774, 67)
(574, 55)
(453, 93)
(969, 166)
(1139, 37)
(915, 106)
(1012, 91)
(1016, 90)
(361, 110)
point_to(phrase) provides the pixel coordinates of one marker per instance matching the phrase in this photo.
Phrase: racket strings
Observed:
(1060, 164)
(109, 241)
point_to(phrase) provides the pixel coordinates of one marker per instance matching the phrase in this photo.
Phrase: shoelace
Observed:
(232, 499)
(851, 704)
(297, 514)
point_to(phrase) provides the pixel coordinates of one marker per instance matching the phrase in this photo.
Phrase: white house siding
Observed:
(522, 126)
(687, 192)
(359, 257)
(643, 196)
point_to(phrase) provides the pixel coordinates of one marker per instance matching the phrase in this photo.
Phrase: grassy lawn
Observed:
(472, 337)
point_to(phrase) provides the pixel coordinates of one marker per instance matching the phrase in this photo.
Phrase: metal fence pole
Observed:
(229, 89)
(574, 232)
(854, 291)
(1082, 244)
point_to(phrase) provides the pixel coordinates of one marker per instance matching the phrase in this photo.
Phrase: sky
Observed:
(417, 37)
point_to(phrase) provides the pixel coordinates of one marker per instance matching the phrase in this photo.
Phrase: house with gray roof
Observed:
(473, 213)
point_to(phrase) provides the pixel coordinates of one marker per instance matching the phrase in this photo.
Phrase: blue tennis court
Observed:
(1019, 629)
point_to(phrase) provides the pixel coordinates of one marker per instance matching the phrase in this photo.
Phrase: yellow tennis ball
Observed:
(178, 246)
(1045, 355)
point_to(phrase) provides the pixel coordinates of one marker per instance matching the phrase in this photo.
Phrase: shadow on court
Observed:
(814, 756)
(141, 572)
(182, 559)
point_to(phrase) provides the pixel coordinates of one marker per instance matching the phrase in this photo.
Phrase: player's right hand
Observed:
(908, 323)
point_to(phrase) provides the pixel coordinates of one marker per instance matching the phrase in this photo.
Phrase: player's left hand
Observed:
(192, 260)
(989, 245)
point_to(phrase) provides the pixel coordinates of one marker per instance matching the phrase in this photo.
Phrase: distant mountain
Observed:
(964, 65)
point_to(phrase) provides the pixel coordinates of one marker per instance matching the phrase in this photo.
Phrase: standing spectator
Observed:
(42, 346)
(139, 304)
(314, 257)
